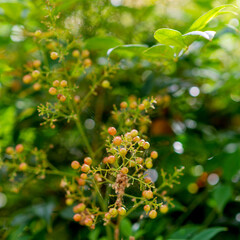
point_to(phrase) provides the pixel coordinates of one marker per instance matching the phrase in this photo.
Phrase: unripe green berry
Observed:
(164, 209)
(37, 63)
(9, 150)
(121, 211)
(146, 145)
(76, 53)
(69, 201)
(79, 208)
(35, 74)
(123, 152)
(105, 84)
(113, 212)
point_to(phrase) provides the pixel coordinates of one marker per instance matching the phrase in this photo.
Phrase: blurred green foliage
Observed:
(197, 125)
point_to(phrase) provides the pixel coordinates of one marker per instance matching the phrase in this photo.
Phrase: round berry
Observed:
(154, 154)
(76, 99)
(141, 107)
(79, 208)
(121, 211)
(54, 55)
(136, 139)
(141, 142)
(87, 62)
(35, 74)
(77, 217)
(149, 165)
(88, 160)
(134, 133)
(112, 131)
(113, 212)
(146, 103)
(97, 177)
(81, 182)
(147, 180)
(22, 166)
(123, 152)
(85, 53)
(123, 105)
(139, 160)
(111, 159)
(76, 53)
(9, 150)
(146, 145)
(52, 91)
(105, 84)
(88, 222)
(38, 33)
(117, 141)
(146, 208)
(147, 194)
(19, 148)
(62, 98)
(124, 170)
(105, 160)
(69, 201)
(37, 86)
(107, 216)
(75, 165)
(153, 214)
(85, 168)
(59, 96)
(133, 105)
(63, 83)
(164, 209)
(36, 63)
(83, 176)
(128, 136)
(27, 79)
(56, 83)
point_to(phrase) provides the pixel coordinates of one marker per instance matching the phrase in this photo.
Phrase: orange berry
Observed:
(37, 86)
(133, 105)
(154, 154)
(146, 208)
(81, 182)
(112, 131)
(105, 160)
(9, 150)
(85, 168)
(83, 176)
(77, 217)
(22, 166)
(147, 194)
(123, 105)
(36, 63)
(87, 62)
(88, 222)
(19, 148)
(79, 208)
(139, 160)
(88, 160)
(121, 211)
(117, 141)
(63, 83)
(141, 107)
(62, 98)
(147, 180)
(52, 91)
(56, 83)
(75, 165)
(153, 214)
(124, 170)
(27, 79)
(54, 55)
(111, 159)
(85, 53)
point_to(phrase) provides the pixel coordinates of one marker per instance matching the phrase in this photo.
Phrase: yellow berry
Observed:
(63, 83)
(75, 165)
(54, 55)
(153, 214)
(27, 79)
(52, 91)
(56, 83)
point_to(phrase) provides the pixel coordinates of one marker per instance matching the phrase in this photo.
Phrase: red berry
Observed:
(88, 160)
(52, 91)
(124, 170)
(111, 159)
(112, 131)
(59, 96)
(147, 180)
(85, 168)
(105, 160)
(19, 148)
(75, 165)
(154, 154)
(153, 214)
(117, 141)
(77, 217)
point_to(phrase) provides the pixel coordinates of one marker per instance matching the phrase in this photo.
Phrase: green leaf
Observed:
(169, 36)
(190, 37)
(202, 21)
(221, 195)
(102, 43)
(127, 50)
(126, 227)
(184, 233)
(160, 51)
(208, 234)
